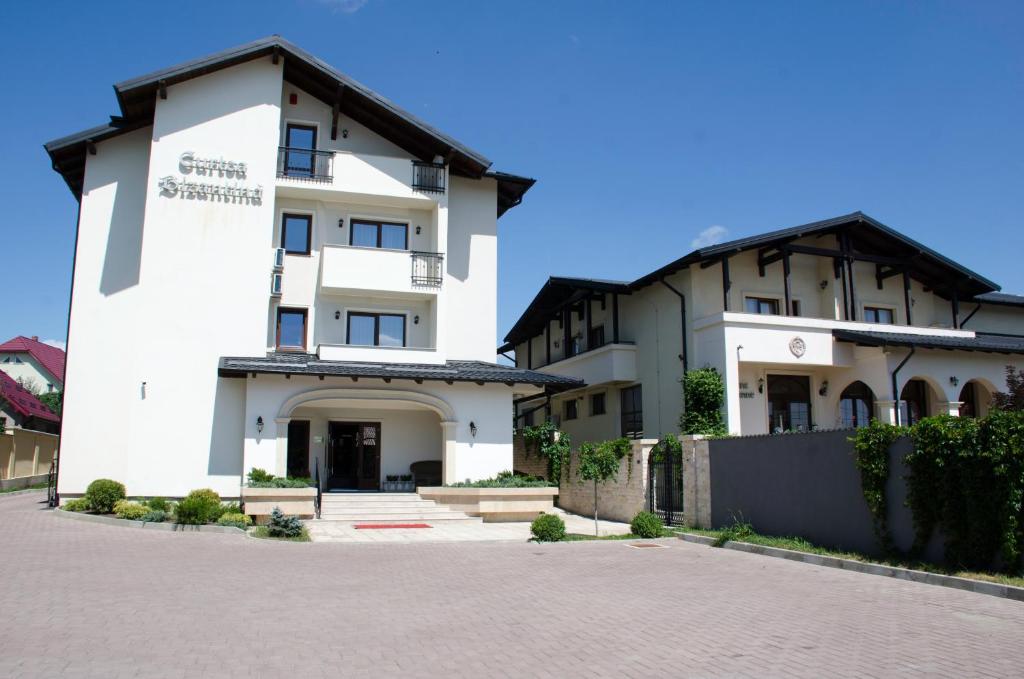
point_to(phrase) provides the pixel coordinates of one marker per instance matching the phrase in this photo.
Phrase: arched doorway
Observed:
(915, 402)
(856, 404)
(974, 398)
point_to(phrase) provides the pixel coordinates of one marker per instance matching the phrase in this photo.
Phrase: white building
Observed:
(823, 325)
(278, 268)
(35, 364)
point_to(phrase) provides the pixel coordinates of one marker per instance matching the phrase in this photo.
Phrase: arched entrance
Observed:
(856, 404)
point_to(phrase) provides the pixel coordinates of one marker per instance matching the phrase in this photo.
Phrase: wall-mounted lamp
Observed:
(341, 223)
(418, 229)
(954, 380)
(344, 133)
(416, 319)
(259, 424)
(337, 315)
(824, 388)
(760, 385)
(823, 284)
(557, 344)
(472, 429)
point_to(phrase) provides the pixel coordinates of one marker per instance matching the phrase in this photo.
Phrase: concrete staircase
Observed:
(378, 508)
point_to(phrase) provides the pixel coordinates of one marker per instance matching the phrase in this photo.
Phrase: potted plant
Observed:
(391, 483)
(405, 484)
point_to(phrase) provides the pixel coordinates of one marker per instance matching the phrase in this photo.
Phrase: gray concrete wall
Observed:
(806, 485)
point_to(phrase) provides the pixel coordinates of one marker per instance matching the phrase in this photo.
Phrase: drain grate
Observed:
(645, 545)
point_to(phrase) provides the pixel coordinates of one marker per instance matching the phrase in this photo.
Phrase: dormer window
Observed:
(368, 233)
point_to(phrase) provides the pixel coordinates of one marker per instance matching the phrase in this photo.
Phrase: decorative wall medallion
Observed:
(797, 346)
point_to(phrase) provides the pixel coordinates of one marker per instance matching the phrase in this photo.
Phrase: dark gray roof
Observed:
(451, 371)
(1003, 298)
(997, 344)
(137, 100)
(555, 292)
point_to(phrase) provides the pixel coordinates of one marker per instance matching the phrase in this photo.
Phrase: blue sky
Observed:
(648, 125)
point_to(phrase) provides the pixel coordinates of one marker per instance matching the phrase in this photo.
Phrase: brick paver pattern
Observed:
(87, 600)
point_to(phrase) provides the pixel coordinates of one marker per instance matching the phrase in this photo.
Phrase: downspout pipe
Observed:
(682, 322)
(895, 390)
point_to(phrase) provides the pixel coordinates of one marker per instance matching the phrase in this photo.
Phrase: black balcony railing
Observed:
(427, 268)
(428, 177)
(314, 166)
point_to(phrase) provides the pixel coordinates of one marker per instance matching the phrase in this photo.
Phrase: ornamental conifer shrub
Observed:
(282, 526)
(548, 528)
(103, 494)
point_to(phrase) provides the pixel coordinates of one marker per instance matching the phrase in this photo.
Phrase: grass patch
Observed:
(582, 537)
(35, 486)
(264, 532)
(741, 533)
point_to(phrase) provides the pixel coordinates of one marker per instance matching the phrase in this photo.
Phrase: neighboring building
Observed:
(28, 359)
(19, 409)
(823, 325)
(279, 268)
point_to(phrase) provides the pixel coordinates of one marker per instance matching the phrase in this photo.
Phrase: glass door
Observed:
(789, 403)
(300, 143)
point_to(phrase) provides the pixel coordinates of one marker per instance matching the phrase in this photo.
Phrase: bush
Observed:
(703, 398)
(280, 482)
(257, 475)
(103, 494)
(234, 519)
(158, 504)
(155, 516)
(282, 526)
(646, 525)
(548, 528)
(133, 511)
(77, 505)
(199, 507)
(505, 479)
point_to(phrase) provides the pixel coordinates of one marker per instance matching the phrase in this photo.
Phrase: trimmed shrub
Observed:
(548, 528)
(646, 525)
(234, 519)
(280, 482)
(505, 479)
(199, 507)
(155, 516)
(133, 511)
(257, 475)
(77, 505)
(282, 526)
(103, 494)
(158, 504)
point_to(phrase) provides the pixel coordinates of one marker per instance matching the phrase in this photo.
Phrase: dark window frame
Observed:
(633, 416)
(773, 302)
(285, 216)
(572, 409)
(780, 391)
(875, 309)
(596, 338)
(288, 127)
(305, 328)
(601, 398)
(375, 315)
(856, 391)
(379, 224)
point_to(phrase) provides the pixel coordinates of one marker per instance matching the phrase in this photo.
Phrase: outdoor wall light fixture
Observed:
(344, 133)
(823, 284)
(472, 429)
(954, 380)
(337, 315)
(416, 319)
(760, 385)
(259, 424)
(341, 223)
(418, 229)
(824, 388)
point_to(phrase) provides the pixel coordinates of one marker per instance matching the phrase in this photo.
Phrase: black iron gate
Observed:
(665, 485)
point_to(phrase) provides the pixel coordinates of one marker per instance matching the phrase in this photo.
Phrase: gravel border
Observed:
(148, 525)
(978, 586)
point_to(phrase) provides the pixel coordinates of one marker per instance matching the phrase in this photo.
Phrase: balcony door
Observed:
(300, 143)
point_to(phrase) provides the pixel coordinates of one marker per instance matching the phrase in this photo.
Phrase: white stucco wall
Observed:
(469, 327)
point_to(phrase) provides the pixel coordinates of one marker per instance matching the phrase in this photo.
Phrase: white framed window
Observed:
(882, 315)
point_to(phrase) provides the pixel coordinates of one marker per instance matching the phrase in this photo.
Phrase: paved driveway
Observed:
(85, 600)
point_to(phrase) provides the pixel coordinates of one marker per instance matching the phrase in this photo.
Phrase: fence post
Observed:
(696, 480)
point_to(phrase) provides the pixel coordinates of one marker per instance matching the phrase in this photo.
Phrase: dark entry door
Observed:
(789, 403)
(298, 448)
(353, 456)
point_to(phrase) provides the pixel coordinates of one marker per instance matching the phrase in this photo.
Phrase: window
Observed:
(855, 405)
(632, 420)
(296, 233)
(300, 140)
(384, 235)
(597, 404)
(571, 409)
(528, 418)
(596, 337)
(7, 360)
(291, 328)
(795, 303)
(874, 314)
(789, 403)
(376, 330)
(762, 305)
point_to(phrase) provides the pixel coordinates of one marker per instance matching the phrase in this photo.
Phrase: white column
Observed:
(885, 411)
(281, 457)
(731, 377)
(448, 448)
(953, 408)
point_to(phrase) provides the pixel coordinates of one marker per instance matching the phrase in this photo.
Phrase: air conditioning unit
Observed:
(276, 280)
(279, 259)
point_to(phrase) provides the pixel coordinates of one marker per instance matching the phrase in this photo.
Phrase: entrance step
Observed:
(388, 508)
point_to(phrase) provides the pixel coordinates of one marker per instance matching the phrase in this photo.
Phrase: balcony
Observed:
(346, 269)
(305, 165)
(607, 364)
(364, 354)
(428, 177)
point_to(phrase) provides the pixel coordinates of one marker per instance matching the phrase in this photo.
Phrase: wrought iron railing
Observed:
(427, 268)
(307, 164)
(51, 485)
(429, 177)
(319, 486)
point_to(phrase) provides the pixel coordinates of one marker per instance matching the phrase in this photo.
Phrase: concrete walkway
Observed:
(441, 531)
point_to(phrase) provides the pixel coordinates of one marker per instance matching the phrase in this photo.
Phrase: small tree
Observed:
(703, 397)
(53, 400)
(31, 385)
(1013, 397)
(599, 462)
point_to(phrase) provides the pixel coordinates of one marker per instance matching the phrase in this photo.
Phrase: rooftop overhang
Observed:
(557, 293)
(992, 344)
